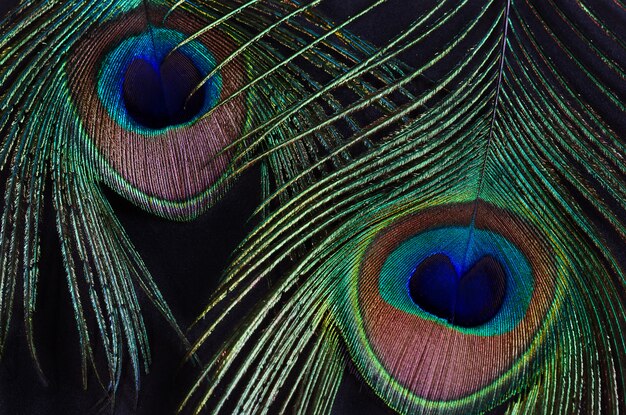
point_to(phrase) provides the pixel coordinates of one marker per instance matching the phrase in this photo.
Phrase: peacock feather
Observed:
(165, 103)
(471, 260)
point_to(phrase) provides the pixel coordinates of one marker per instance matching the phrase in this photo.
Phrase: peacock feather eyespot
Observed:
(469, 275)
(153, 128)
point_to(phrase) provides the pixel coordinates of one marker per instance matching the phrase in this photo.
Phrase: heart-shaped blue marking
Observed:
(157, 94)
(466, 300)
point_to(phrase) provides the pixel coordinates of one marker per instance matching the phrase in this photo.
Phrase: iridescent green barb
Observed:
(470, 258)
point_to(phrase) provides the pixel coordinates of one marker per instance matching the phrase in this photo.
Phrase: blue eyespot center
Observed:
(147, 82)
(466, 300)
(161, 94)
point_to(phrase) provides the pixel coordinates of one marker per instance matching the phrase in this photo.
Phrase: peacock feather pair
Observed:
(445, 212)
